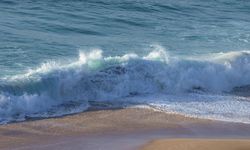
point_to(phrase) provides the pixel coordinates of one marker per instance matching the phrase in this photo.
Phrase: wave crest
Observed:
(93, 77)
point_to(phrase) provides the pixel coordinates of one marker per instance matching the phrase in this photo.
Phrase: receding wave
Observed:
(55, 89)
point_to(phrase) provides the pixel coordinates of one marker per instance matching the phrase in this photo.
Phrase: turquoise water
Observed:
(33, 32)
(56, 56)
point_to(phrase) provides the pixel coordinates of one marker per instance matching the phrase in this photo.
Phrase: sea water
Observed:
(190, 57)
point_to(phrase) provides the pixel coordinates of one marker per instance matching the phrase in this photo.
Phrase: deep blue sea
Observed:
(59, 57)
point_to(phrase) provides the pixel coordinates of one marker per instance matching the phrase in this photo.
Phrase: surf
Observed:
(55, 89)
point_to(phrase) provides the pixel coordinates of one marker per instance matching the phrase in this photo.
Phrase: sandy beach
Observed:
(198, 144)
(131, 128)
(124, 75)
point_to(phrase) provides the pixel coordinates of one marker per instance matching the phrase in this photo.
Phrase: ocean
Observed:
(190, 57)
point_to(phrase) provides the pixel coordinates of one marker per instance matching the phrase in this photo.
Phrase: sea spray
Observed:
(56, 89)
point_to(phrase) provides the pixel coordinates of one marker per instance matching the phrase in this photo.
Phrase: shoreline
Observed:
(127, 128)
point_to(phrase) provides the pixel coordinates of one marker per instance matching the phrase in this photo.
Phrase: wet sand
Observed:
(120, 129)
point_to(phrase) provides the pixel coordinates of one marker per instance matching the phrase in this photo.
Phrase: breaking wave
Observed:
(55, 89)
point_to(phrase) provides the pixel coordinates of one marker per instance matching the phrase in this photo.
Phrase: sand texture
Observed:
(112, 129)
(198, 144)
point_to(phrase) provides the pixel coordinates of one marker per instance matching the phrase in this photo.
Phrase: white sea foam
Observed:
(55, 88)
(215, 107)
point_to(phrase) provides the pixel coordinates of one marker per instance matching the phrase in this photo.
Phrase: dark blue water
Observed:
(57, 54)
(32, 32)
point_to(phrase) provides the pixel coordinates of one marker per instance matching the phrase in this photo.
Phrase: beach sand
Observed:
(198, 144)
(119, 129)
